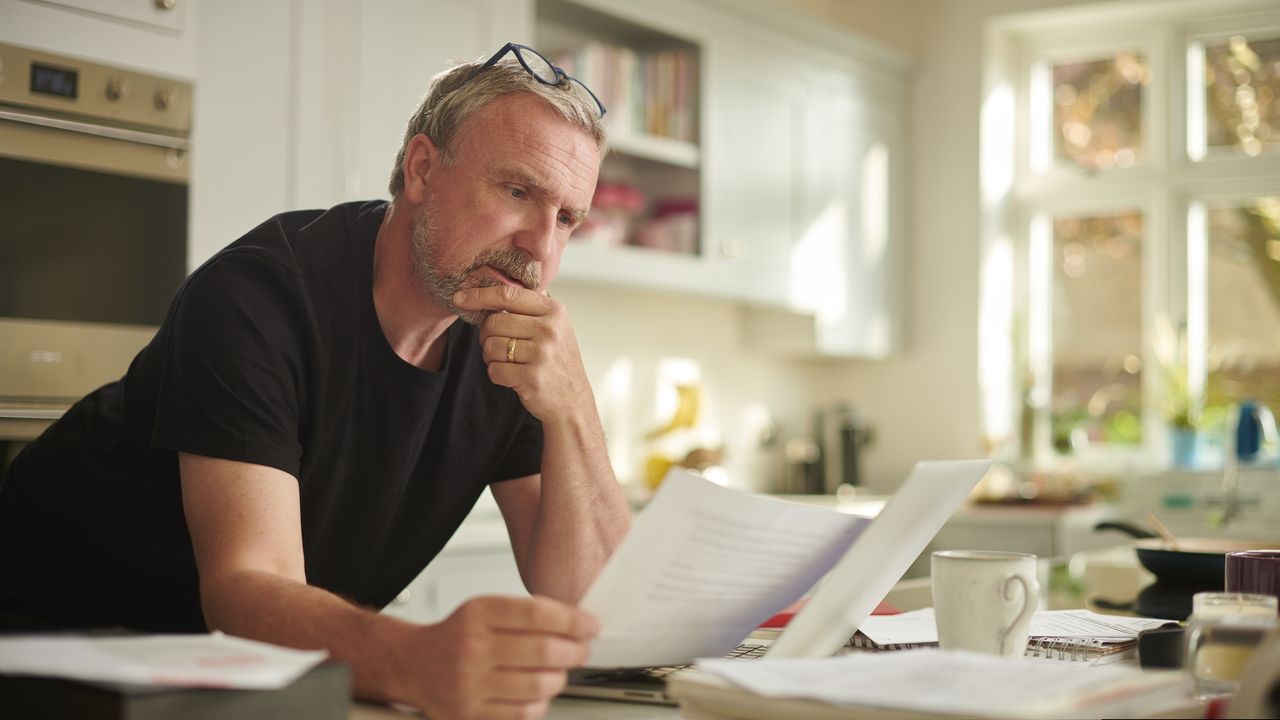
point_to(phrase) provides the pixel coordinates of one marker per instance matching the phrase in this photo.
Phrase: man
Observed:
(311, 423)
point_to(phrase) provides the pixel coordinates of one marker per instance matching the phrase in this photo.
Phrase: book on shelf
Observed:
(1078, 636)
(649, 93)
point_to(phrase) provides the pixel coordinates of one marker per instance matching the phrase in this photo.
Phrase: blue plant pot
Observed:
(1183, 442)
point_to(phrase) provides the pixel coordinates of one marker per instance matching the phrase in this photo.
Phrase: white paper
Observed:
(703, 566)
(948, 682)
(214, 660)
(918, 626)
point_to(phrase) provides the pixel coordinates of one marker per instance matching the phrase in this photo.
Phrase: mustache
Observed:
(512, 263)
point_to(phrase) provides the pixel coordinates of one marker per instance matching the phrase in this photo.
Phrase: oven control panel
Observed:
(66, 86)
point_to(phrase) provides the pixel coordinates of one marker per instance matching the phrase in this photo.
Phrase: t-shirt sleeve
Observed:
(231, 382)
(524, 457)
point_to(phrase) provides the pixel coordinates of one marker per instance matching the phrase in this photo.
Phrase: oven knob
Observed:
(115, 89)
(163, 99)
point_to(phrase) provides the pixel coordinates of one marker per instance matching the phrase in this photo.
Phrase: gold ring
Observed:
(511, 350)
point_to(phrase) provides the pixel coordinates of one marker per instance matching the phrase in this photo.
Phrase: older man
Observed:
(311, 423)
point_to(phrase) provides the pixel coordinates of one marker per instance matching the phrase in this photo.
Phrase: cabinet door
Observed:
(755, 121)
(820, 255)
(401, 45)
(166, 14)
(869, 321)
(452, 579)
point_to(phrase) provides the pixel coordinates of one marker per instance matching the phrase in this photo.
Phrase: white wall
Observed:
(626, 336)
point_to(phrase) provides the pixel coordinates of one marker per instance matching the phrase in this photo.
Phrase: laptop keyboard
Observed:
(657, 675)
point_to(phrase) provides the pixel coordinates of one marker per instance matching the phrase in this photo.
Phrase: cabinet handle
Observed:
(166, 4)
(734, 248)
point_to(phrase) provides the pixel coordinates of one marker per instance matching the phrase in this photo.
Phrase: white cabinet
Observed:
(135, 34)
(756, 115)
(398, 46)
(847, 266)
(304, 105)
(163, 14)
(476, 561)
(801, 160)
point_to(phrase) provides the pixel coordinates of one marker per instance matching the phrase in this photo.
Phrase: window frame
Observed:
(1166, 186)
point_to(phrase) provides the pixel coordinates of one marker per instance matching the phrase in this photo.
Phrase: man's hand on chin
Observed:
(530, 347)
(495, 657)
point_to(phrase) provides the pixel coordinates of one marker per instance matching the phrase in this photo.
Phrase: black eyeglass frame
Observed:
(561, 76)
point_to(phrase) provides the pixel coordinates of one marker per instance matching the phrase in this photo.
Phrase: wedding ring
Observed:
(511, 350)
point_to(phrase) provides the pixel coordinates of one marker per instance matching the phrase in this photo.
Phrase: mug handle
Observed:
(1030, 588)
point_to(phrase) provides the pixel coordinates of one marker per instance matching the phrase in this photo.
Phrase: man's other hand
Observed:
(496, 657)
(530, 347)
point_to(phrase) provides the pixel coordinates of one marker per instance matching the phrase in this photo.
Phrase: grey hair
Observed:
(454, 96)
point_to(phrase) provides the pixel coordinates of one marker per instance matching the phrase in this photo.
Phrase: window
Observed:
(1131, 235)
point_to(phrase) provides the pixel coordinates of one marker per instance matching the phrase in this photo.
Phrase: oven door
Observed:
(93, 243)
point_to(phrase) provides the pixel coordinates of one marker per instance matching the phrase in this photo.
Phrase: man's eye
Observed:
(566, 219)
(516, 193)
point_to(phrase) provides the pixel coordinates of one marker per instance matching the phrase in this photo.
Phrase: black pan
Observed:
(1198, 562)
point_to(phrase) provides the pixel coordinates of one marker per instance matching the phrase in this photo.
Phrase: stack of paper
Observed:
(1071, 635)
(214, 660)
(929, 682)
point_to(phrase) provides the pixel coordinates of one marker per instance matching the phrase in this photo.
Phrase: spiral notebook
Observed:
(1064, 635)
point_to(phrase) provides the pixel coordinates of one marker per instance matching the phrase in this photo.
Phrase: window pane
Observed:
(1097, 331)
(1244, 304)
(1242, 82)
(1097, 111)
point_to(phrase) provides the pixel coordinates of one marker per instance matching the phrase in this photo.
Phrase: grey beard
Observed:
(442, 284)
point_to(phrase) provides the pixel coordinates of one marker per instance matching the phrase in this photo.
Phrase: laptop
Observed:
(852, 588)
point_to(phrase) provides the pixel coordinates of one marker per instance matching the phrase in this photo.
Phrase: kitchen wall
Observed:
(924, 403)
(638, 345)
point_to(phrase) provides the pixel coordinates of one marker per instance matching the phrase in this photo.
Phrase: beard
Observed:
(441, 283)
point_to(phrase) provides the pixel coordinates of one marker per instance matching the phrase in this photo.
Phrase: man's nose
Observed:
(539, 237)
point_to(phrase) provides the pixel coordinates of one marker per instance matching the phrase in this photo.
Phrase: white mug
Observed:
(983, 600)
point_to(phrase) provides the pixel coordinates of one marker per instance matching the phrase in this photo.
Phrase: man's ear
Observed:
(421, 159)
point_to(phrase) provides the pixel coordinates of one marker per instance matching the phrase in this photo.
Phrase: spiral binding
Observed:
(1056, 648)
(1071, 649)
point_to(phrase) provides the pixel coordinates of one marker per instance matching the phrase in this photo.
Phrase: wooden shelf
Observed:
(659, 149)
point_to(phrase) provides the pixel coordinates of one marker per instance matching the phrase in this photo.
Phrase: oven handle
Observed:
(21, 413)
(135, 136)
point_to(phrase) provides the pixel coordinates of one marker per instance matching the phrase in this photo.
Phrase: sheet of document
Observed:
(950, 683)
(918, 626)
(214, 660)
(703, 566)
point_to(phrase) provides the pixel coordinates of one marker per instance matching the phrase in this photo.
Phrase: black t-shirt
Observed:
(271, 353)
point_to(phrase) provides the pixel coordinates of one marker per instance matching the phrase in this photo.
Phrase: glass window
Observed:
(1097, 111)
(1244, 303)
(1242, 85)
(1097, 331)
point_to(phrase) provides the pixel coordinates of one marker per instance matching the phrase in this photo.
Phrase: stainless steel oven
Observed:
(93, 226)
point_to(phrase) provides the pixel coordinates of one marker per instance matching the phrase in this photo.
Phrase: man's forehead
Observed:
(529, 119)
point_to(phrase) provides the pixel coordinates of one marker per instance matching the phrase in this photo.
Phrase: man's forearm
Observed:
(279, 610)
(582, 515)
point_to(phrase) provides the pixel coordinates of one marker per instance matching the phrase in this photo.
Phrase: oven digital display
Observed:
(54, 81)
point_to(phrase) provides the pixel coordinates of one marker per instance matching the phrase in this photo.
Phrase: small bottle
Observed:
(1249, 431)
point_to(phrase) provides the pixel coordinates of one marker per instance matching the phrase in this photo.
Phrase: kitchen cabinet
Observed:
(304, 105)
(161, 14)
(801, 182)
(138, 34)
(476, 561)
(757, 110)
